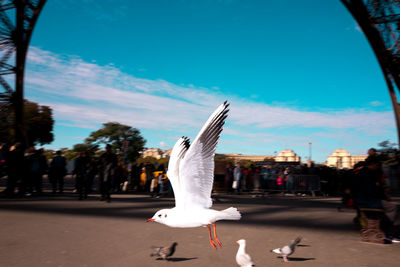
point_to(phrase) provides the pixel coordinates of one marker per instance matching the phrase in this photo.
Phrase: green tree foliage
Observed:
(151, 160)
(386, 145)
(90, 148)
(38, 124)
(219, 157)
(121, 137)
(163, 161)
(389, 154)
(49, 154)
(246, 163)
(69, 154)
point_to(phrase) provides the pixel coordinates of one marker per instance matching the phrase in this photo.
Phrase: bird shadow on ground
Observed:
(298, 259)
(178, 259)
(303, 245)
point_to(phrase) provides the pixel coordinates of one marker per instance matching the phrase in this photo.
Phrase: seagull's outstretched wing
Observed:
(178, 151)
(196, 168)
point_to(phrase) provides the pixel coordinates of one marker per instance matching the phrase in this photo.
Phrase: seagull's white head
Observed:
(241, 242)
(161, 216)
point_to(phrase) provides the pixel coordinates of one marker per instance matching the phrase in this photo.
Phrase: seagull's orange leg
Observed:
(211, 241)
(215, 235)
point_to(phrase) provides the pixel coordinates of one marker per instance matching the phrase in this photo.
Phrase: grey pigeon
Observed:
(242, 258)
(287, 250)
(164, 252)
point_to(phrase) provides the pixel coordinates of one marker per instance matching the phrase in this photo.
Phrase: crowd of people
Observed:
(281, 178)
(363, 186)
(25, 169)
(368, 188)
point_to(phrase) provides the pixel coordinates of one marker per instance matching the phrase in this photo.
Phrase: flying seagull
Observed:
(242, 258)
(191, 172)
(287, 250)
(164, 252)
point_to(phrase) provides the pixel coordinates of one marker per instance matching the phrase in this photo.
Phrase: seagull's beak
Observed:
(237, 242)
(150, 220)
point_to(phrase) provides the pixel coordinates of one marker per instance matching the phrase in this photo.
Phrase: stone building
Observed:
(238, 157)
(156, 153)
(287, 155)
(342, 159)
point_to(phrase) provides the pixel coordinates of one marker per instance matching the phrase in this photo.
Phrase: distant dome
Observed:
(287, 155)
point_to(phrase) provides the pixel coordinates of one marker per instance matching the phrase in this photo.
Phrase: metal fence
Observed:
(293, 183)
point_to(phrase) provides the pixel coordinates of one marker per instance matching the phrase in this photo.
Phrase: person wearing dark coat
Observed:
(228, 178)
(369, 192)
(14, 161)
(80, 170)
(368, 187)
(37, 166)
(57, 172)
(108, 162)
(91, 174)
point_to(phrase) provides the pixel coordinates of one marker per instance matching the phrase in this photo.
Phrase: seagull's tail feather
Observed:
(231, 214)
(277, 250)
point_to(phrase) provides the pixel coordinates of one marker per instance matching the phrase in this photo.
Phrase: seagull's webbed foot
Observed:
(215, 235)
(211, 240)
(285, 259)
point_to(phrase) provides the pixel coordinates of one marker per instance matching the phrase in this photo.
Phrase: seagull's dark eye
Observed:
(165, 216)
(159, 215)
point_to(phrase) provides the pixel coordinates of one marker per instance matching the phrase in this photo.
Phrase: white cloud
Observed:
(86, 95)
(110, 94)
(376, 103)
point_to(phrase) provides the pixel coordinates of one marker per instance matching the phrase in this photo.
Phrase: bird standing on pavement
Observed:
(287, 250)
(164, 252)
(242, 258)
(191, 173)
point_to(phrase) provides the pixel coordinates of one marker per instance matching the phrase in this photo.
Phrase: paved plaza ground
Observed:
(59, 230)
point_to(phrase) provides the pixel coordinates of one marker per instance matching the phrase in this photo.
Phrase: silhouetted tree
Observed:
(90, 148)
(149, 159)
(38, 124)
(121, 137)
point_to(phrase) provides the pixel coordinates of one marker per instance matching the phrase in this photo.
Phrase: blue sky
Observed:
(294, 72)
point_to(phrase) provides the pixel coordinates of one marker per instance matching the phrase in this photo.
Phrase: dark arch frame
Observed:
(14, 39)
(380, 22)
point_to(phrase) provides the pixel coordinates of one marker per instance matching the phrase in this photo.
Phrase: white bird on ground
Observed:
(287, 250)
(242, 258)
(191, 173)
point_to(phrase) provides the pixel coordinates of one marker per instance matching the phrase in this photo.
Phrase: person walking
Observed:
(81, 168)
(237, 175)
(108, 162)
(37, 166)
(228, 178)
(15, 165)
(90, 174)
(57, 172)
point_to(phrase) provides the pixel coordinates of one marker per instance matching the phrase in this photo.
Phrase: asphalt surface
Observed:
(60, 230)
